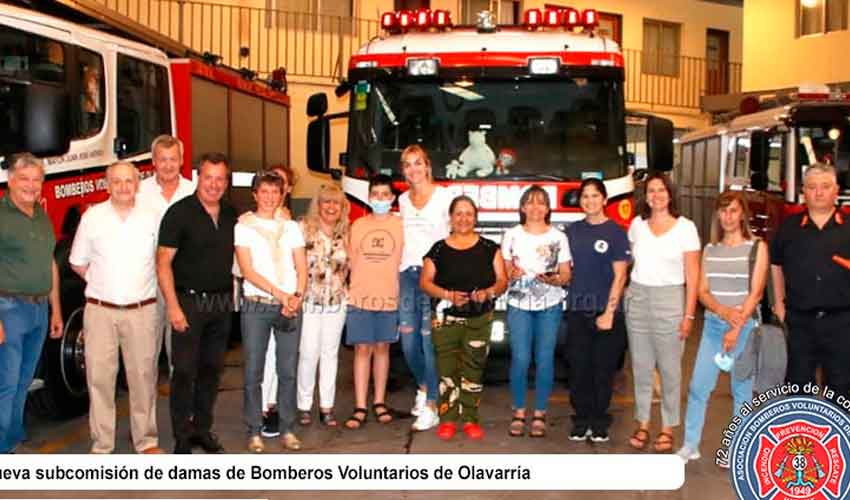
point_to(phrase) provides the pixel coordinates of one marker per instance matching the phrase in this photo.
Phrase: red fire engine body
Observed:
(96, 98)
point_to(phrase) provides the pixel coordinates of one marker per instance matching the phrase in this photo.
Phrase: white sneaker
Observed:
(419, 403)
(687, 454)
(427, 419)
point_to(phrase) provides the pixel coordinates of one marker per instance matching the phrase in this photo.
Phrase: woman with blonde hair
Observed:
(731, 289)
(325, 230)
(424, 210)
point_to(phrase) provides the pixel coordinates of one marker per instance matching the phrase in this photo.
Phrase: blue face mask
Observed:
(380, 207)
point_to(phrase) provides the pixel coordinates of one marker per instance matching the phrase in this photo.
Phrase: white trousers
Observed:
(321, 332)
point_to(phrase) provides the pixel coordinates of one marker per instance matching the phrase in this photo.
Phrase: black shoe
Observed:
(208, 441)
(182, 447)
(271, 425)
(599, 436)
(580, 433)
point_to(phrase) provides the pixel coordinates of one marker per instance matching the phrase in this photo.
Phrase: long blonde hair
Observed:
(311, 220)
(725, 199)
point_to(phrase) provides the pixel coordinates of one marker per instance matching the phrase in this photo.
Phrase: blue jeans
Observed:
(259, 322)
(704, 378)
(537, 329)
(414, 313)
(25, 326)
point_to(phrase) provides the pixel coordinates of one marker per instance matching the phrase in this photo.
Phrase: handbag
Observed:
(765, 356)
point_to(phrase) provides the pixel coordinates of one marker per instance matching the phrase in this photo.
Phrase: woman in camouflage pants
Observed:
(466, 273)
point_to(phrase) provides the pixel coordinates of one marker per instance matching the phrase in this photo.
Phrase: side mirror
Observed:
(758, 180)
(659, 144)
(640, 175)
(319, 144)
(343, 88)
(317, 105)
(759, 151)
(47, 120)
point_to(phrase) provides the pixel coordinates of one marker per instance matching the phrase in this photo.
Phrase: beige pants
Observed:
(163, 332)
(132, 330)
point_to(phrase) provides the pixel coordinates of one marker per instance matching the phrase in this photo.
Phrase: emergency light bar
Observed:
(405, 20)
(567, 17)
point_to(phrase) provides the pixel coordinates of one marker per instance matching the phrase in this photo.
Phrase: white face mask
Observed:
(724, 361)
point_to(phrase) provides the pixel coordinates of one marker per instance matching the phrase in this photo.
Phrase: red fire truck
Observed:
(764, 150)
(81, 99)
(498, 108)
(546, 96)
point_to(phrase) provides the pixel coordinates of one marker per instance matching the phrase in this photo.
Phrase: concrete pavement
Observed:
(704, 480)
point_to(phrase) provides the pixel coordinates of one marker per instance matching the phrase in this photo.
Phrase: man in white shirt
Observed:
(163, 189)
(114, 251)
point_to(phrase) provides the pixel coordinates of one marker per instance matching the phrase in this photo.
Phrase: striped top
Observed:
(728, 271)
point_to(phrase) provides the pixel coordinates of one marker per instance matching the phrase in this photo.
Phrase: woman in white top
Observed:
(660, 305)
(424, 210)
(270, 252)
(537, 261)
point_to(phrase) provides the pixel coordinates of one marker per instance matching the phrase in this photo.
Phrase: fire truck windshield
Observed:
(24, 57)
(825, 143)
(511, 128)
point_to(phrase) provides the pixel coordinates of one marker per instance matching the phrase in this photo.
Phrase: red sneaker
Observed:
(446, 431)
(473, 431)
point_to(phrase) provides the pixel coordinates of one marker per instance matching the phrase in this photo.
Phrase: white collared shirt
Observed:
(150, 193)
(120, 254)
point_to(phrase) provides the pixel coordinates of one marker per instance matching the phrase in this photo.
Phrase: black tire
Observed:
(62, 367)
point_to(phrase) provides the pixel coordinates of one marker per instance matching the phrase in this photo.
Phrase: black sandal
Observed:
(517, 430)
(538, 431)
(384, 417)
(327, 418)
(304, 418)
(357, 419)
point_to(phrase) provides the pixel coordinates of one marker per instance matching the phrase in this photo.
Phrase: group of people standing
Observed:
(159, 259)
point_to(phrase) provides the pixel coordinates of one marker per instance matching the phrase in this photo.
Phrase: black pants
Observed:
(819, 340)
(593, 358)
(198, 358)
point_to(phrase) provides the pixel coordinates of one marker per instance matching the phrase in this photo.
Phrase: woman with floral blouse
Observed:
(325, 230)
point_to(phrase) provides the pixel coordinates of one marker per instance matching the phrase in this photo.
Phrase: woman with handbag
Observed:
(731, 287)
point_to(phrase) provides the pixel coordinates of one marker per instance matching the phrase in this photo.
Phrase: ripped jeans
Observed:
(461, 348)
(414, 313)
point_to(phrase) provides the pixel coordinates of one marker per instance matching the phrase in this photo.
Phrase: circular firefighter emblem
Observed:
(794, 448)
(601, 246)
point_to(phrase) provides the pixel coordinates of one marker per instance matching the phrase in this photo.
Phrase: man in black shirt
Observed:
(811, 290)
(194, 264)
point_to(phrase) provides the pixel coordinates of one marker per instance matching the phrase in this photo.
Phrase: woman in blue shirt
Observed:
(601, 254)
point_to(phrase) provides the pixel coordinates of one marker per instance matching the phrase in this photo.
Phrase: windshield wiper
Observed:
(544, 177)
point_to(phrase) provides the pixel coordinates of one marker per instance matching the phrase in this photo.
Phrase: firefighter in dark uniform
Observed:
(810, 258)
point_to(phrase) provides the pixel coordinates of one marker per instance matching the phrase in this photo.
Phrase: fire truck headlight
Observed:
(421, 67)
(544, 65)
(497, 331)
(834, 133)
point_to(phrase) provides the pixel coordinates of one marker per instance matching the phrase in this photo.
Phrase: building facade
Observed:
(789, 42)
(675, 51)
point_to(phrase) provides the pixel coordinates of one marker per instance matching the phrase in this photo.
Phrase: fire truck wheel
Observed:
(62, 368)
